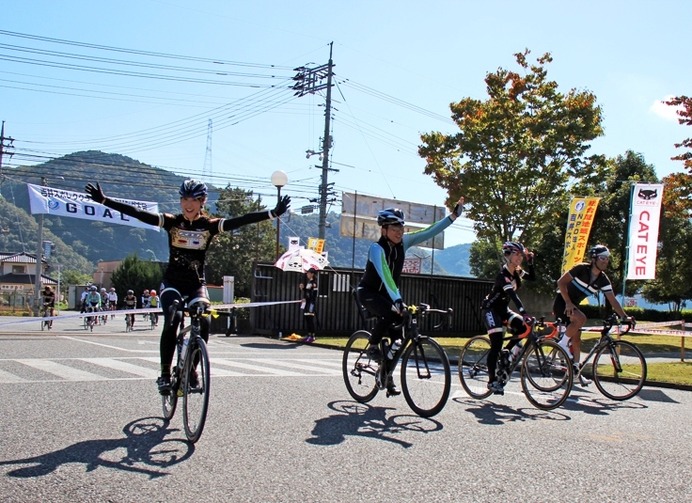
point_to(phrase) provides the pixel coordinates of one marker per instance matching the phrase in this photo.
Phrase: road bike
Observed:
(618, 368)
(46, 313)
(190, 377)
(546, 369)
(90, 321)
(129, 322)
(425, 370)
(153, 320)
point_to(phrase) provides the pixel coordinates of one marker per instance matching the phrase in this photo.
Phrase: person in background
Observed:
(130, 302)
(496, 312)
(112, 301)
(575, 285)
(309, 289)
(145, 302)
(190, 233)
(153, 304)
(82, 300)
(48, 301)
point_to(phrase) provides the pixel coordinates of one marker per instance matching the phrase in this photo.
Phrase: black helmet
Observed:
(193, 188)
(599, 251)
(513, 246)
(390, 216)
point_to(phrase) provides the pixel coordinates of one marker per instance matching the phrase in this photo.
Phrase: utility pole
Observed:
(309, 81)
(39, 260)
(4, 146)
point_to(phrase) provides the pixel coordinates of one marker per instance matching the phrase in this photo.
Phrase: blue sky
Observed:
(398, 65)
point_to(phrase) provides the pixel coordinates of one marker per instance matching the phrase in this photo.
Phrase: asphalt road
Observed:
(81, 421)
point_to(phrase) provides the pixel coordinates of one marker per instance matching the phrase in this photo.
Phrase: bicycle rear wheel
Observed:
(473, 367)
(359, 371)
(619, 370)
(195, 394)
(425, 376)
(546, 375)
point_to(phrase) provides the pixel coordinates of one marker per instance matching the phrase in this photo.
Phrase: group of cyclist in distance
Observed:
(191, 231)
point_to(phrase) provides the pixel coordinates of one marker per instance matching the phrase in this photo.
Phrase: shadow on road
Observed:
(361, 420)
(491, 413)
(145, 452)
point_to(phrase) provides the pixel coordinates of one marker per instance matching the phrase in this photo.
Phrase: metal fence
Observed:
(337, 313)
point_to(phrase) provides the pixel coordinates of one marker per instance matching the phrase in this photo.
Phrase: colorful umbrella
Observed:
(301, 260)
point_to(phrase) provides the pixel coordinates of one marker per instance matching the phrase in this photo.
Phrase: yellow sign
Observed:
(315, 244)
(581, 214)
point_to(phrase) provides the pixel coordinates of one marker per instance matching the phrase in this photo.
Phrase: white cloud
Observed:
(664, 111)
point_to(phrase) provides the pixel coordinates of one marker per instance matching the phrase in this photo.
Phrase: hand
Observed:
(458, 208)
(281, 207)
(529, 258)
(631, 321)
(399, 307)
(528, 319)
(95, 192)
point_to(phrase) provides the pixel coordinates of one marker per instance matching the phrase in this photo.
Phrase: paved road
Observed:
(81, 422)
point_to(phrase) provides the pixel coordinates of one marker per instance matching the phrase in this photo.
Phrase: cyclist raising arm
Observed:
(577, 284)
(189, 235)
(495, 306)
(378, 290)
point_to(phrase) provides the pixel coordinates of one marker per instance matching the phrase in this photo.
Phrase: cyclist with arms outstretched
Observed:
(378, 290)
(189, 236)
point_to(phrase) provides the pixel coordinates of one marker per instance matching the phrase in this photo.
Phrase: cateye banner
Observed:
(645, 213)
(66, 203)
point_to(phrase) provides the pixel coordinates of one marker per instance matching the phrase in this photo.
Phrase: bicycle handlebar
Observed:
(614, 319)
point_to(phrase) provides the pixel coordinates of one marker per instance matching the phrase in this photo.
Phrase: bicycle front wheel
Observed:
(425, 376)
(619, 370)
(546, 375)
(359, 371)
(473, 367)
(195, 383)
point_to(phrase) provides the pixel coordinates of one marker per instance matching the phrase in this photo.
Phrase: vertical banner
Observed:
(581, 214)
(645, 213)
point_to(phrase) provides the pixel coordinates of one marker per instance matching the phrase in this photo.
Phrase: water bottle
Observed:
(396, 345)
(183, 348)
(516, 350)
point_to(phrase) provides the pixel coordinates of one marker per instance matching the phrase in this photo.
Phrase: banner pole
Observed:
(627, 244)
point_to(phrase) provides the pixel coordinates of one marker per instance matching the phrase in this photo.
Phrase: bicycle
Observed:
(619, 368)
(190, 377)
(153, 320)
(546, 369)
(425, 369)
(90, 321)
(129, 322)
(46, 313)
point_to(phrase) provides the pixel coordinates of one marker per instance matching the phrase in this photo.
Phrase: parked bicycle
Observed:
(546, 370)
(425, 369)
(618, 368)
(190, 377)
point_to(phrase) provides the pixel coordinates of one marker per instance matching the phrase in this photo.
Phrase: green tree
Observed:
(517, 152)
(136, 275)
(233, 253)
(684, 118)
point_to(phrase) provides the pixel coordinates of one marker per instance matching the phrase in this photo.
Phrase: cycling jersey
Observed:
(386, 260)
(48, 298)
(505, 289)
(93, 299)
(582, 286)
(154, 301)
(130, 302)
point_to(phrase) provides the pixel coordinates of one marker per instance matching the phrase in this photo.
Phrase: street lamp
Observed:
(279, 179)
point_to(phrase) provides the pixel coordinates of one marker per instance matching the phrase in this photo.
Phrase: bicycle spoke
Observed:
(195, 384)
(359, 371)
(473, 367)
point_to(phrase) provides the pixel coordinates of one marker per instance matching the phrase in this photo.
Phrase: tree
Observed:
(136, 275)
(516, 152)
(233, 253)
(684, 118)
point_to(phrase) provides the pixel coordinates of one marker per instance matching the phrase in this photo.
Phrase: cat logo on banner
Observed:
(581, 214)
(316, 245)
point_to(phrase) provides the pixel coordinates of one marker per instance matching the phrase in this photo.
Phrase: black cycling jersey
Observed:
(130, 302)
(505, 289)
(48, 298)
(188, 241)
(582, 286)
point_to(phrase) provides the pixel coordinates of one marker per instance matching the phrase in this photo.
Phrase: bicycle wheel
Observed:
(170, 401)
(546, 375)
(359, 371)
(425, 376)
(195, 394)
(619, 370)
(473, 367)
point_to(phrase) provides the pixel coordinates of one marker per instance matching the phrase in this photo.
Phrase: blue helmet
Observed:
(193, 188)
(390, 216)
